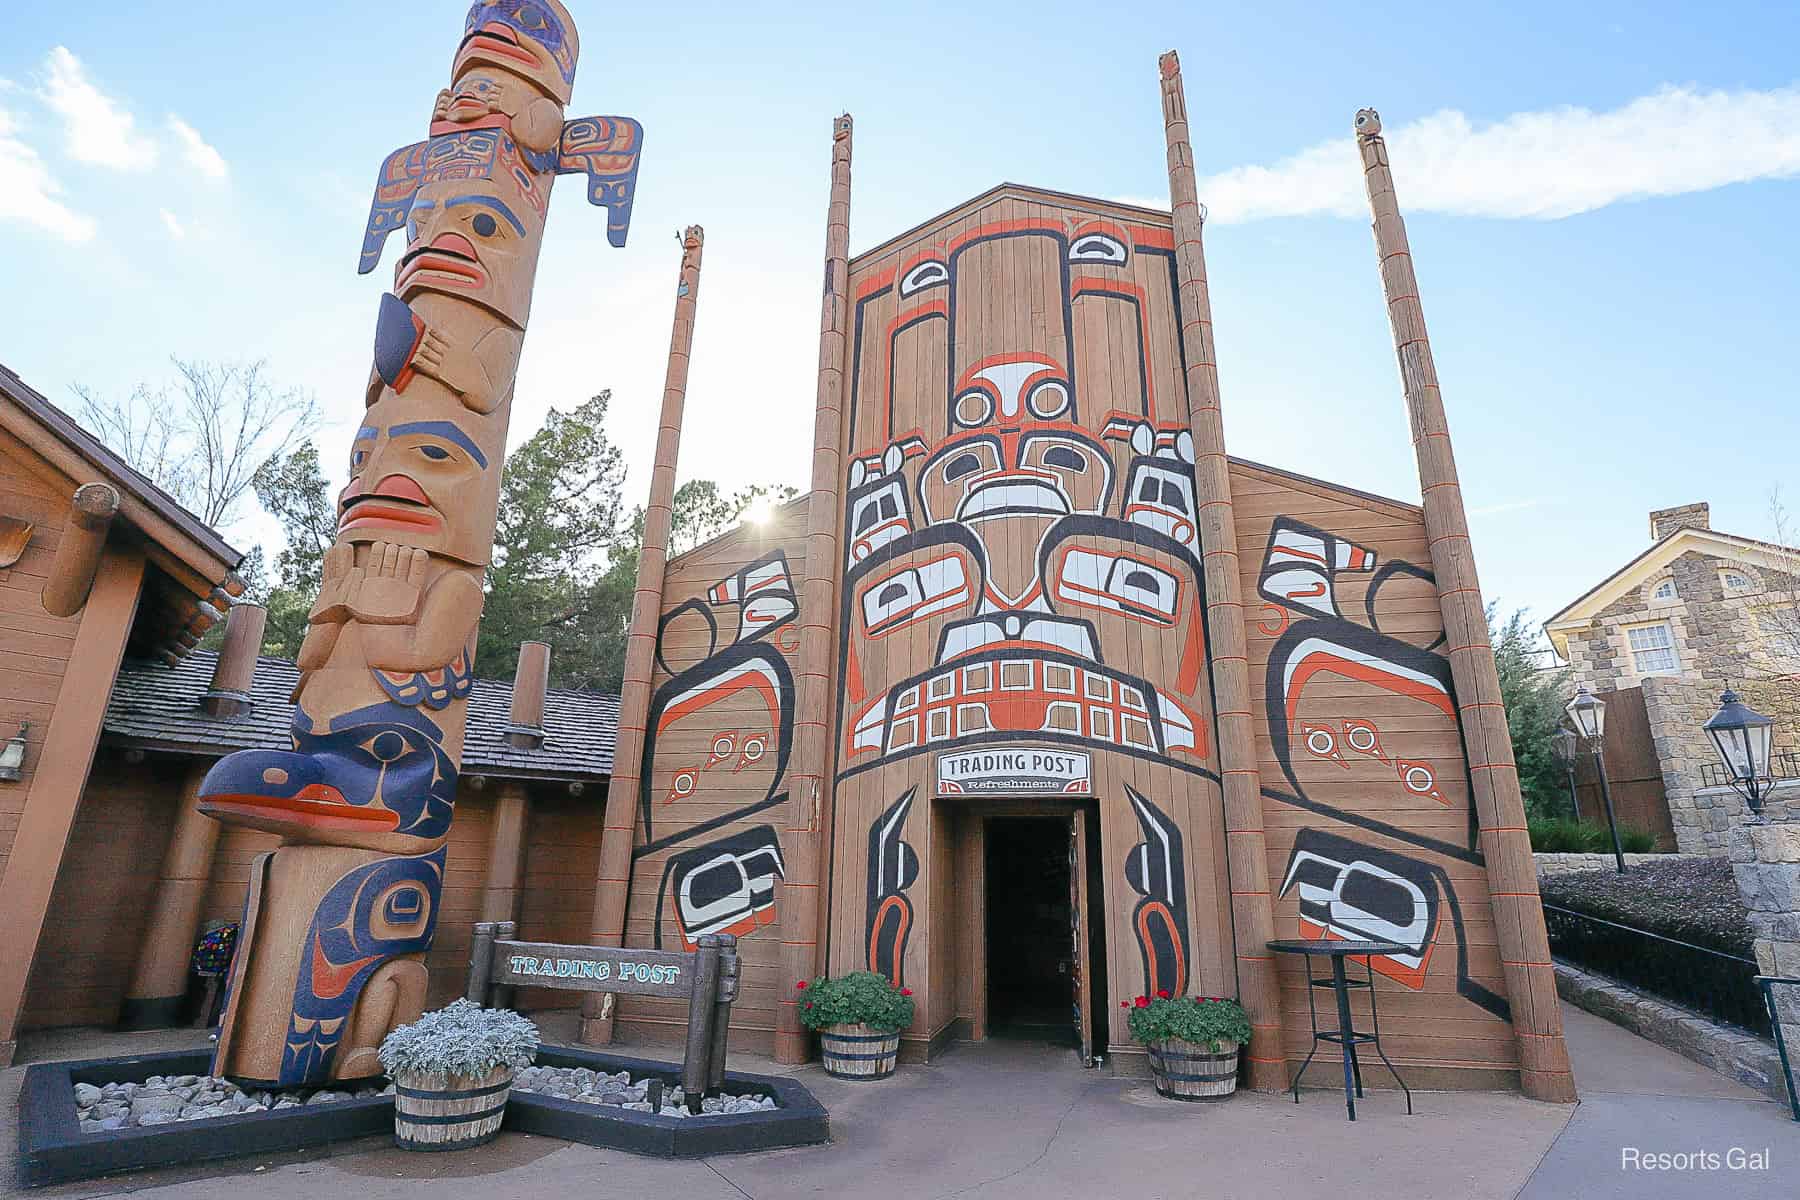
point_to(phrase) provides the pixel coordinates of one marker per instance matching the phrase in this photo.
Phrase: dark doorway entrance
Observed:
(1034, 955)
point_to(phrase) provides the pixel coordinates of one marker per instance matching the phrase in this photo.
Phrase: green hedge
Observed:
(1560, 835)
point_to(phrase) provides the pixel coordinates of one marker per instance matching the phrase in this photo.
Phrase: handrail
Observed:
(1574, 912)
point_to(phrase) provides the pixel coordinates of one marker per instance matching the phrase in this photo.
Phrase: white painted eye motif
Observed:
(1096, 248)
(1048, 399)
(926, 274)
(974, 407)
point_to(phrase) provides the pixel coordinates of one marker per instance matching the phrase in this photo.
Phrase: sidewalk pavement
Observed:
(1015, 1119)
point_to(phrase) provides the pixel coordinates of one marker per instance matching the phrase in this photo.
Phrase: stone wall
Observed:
(1722, 637)
(1704, 815)
(1570, 864)
(1766, 860)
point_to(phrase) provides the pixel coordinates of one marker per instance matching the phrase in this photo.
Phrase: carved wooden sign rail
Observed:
(707, 978)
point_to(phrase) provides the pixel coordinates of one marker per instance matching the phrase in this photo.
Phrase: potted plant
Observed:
(1193, 1042)
(859, 1017)
(453, 1071)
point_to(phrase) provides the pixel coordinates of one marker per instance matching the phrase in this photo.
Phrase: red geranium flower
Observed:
(906, 991)
(1124, 1004)
(801, 986)
(1143, 1002)
(809, 1004)
(1162, 993)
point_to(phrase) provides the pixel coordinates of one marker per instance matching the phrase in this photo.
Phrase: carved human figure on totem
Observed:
(340, 916)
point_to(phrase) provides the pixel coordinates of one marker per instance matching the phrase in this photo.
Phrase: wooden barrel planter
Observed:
(858, 1052)
(1191, 1071)
(449, 1112)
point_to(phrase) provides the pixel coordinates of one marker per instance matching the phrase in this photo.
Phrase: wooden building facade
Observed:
(1022, 816)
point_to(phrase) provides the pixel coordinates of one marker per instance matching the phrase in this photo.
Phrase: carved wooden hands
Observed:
(385, 590)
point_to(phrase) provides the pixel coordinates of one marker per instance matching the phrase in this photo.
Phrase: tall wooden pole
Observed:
(159, 978)
(1247, 856)
(1518, 915)
(809, 789)
(619, 832)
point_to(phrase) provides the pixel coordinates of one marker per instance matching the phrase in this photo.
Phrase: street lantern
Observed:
(1743, 738)
(1564, 746)
(1588, 714)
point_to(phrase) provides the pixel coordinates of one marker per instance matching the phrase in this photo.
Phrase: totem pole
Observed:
(339, 917)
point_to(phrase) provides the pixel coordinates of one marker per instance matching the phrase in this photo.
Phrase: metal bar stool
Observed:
(1346, 1036)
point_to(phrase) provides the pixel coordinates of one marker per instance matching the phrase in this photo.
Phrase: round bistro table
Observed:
(1346, 1036)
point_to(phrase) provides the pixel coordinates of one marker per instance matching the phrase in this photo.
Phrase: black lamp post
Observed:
(1743, 738)
(1588, 714)
(1564, 745)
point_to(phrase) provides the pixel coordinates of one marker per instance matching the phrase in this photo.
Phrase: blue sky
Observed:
(1601, 200)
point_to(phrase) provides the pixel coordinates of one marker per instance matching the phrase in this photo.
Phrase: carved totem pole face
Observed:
(363, 799)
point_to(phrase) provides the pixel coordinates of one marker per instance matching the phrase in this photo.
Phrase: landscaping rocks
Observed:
(618, 1089)
(166, 1100)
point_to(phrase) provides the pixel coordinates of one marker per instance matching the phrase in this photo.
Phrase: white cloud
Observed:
(172, 223)
(1541, 165)
(99, 130)
(28, 193)
(200, 154)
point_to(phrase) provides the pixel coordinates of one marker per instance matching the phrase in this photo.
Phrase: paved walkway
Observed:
(1008, 1119)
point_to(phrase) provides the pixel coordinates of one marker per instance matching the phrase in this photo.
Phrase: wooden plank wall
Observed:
(562, 855)
(34, 646)
(1015, 472)
(1633, 772)
(102, 894)
(720, 729)
(1366, 786)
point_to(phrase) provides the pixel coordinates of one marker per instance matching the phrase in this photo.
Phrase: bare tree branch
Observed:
(205, 443)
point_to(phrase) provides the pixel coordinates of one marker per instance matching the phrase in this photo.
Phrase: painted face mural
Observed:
(1021, 501)
(1021, 571)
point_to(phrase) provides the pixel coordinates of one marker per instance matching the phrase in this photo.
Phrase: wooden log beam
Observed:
(160, 976)
(612, 885)
(1246, 849)
(806, 830)
(78, 554)
(1544, 1071)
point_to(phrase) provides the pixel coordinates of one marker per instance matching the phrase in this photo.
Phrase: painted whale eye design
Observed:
(1048, 399)
(976, 407)
(929, 273)
(1097, 248)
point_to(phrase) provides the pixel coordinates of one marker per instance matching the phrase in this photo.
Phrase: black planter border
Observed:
(52, 1148)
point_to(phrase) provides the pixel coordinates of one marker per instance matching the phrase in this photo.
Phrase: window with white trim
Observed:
(1664, 590)
(1653, 649)
(1734, 581)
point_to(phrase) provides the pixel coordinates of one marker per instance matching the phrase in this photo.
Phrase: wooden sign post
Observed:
(707, 978)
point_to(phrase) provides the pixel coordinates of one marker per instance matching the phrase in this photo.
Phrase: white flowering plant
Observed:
(462, 1038)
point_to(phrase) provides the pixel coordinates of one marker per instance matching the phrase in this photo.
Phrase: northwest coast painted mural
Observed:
(1022, 569)
(339, 916)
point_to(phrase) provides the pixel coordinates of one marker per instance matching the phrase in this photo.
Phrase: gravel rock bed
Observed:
(166, 1099)
(619, 1090)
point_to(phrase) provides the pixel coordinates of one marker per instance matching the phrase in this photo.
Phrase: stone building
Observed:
(1699, 610)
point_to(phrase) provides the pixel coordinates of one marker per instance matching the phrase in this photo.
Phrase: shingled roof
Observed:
(156, 707)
